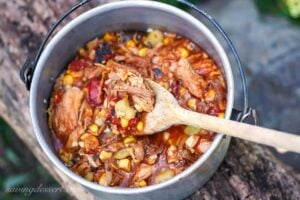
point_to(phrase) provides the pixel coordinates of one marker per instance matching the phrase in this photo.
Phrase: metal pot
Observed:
(127, 15)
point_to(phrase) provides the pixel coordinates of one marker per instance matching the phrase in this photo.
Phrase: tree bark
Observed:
(249, 171)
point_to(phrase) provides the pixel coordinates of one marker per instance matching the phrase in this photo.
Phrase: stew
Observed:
(98, 103)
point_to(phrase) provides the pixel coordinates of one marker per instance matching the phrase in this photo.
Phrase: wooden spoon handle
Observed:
(240, 130)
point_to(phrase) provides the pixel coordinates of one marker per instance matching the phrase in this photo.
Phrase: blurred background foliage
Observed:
(19, 168)
(289, 9)
(286, 8)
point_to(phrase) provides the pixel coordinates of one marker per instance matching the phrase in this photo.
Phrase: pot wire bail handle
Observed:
(247, 111)
(27, 70)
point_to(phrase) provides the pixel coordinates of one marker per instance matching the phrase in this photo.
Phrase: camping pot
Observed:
(41, 72)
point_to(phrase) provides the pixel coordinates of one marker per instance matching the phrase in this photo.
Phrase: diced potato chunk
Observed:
(163, 175)
(90, 142)
(121, 154)
(191, 130)
(192, 141)
(102, 180)
(123, 109)
(124, 164)
(105, 155)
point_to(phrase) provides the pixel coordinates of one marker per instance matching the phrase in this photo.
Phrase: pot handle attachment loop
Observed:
(27, 70)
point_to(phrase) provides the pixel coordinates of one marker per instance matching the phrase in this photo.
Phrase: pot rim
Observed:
(104, 8)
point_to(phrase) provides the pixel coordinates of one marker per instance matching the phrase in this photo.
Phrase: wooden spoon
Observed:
(167, 112)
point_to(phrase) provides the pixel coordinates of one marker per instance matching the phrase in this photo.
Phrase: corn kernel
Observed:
(183, 52)
(142, 183)
(143, 52)
(129, 139)
(103, 113)
(222, 115)
(192, 103)
(105, 155)
(124, 164)
(182, 91)
(94, 128)
(89, 176)
(82, 52)
(130, 44)
(210, 95)
(68, 80)
(140, 126)
(124, 122)
(167, 41)
(108, 37)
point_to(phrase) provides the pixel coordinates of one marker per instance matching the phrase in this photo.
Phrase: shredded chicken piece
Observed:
(85, 115)
(189, 78)
(130, 81)
(137, 61)
(66, 113)
(143, 172)
(72, 139)
(91, 72)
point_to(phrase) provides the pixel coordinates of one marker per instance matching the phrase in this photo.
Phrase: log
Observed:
(249, 171)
